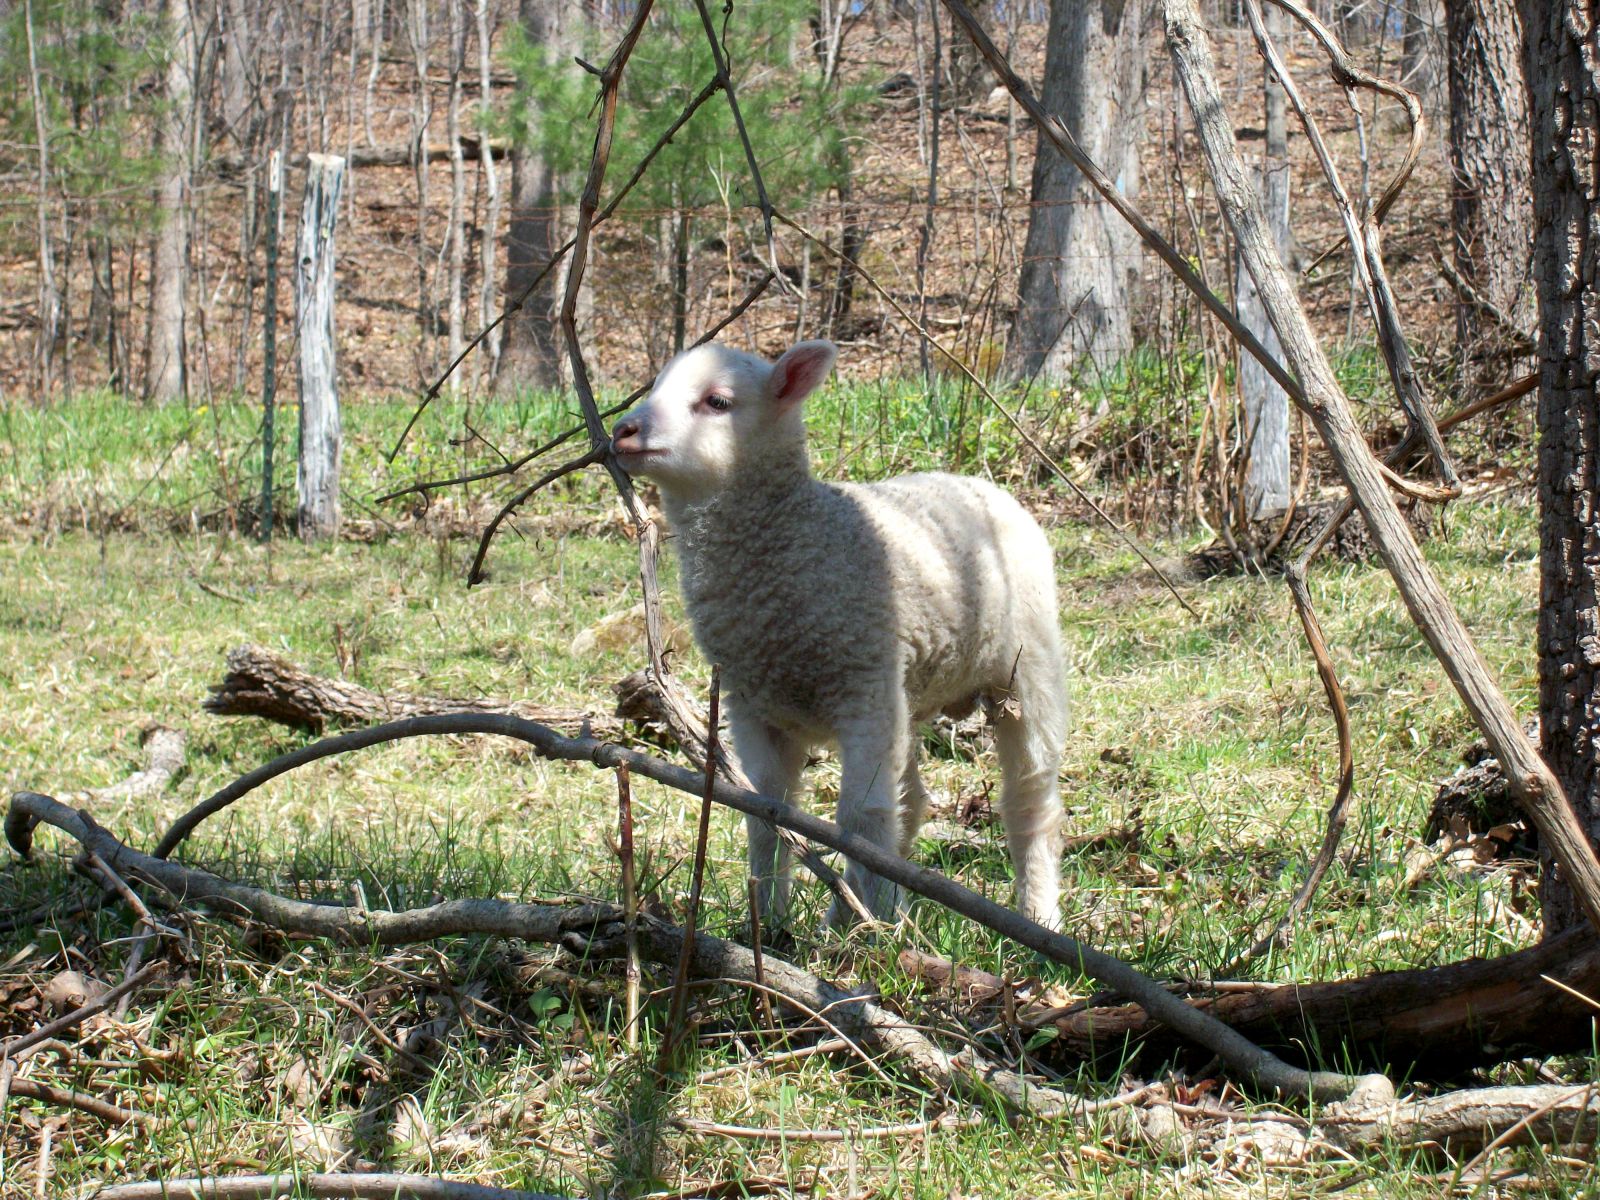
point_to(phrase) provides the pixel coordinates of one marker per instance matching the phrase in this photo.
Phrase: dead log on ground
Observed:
(260, 683)
(1435, 1022)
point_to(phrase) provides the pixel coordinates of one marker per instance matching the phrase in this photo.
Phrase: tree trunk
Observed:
(1266, 408)
(455, 287)
(50, 305)
(1081, 261)
(1565, 95)
(529, 358)
(320, 437)
(269, 338)
(1491, 216)
(491, 185)
(166, 363)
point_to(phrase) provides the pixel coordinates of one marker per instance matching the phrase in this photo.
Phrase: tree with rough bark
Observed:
(1564, 94)
(1491, 214)
(529, 358)
(166, 358)
(1081, 262)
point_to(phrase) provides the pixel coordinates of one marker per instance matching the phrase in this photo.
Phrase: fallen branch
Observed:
(321, 1185)
(23, 1044)
(260, 683)
(163, 758)
(114, 1114)
(588, 932)
(1248, 1060)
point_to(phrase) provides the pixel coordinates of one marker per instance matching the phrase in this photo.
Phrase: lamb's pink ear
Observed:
(801, 370)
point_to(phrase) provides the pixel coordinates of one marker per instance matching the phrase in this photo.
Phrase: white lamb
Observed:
(851, 612)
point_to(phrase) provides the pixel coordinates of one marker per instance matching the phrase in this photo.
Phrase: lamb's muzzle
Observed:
(848, 613)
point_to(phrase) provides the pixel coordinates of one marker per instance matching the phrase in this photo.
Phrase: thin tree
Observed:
(1266, 408)
(166, 361)
(1491, 217)
(529, 356)
(1081, 261)
(1564, 94)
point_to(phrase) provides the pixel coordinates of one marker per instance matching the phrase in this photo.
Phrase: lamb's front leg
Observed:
(872, 758)
(772, 761)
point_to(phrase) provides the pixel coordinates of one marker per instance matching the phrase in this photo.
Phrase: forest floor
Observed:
(125, 590)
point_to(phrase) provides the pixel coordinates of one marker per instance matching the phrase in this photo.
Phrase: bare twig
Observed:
(27, 809)
(911, 1129)
(719, 56)
(321, 1185)
(114, 1114)
(630, 903)
(678, 1004)
(1339, 810)
(1364, 236)
(516, 304)
(1021, 430)
(752, 891)
(561, 439)
(19, 1047)
(596, 454)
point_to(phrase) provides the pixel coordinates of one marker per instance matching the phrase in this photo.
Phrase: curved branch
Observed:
(1339, 810)
(1249, 1060)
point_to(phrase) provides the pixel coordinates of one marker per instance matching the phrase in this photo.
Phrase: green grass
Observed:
(1217, 728)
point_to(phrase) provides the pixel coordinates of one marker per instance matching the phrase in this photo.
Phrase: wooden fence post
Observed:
(318, 475)
(269, 340)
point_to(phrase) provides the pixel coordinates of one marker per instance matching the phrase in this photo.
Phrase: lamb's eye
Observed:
(719, 402)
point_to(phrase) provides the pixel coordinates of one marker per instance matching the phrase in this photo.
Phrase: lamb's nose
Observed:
(626, 428)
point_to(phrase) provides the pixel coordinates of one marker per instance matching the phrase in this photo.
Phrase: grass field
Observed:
(1214, 731)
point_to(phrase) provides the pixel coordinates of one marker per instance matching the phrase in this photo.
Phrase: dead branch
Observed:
(1363, 232)
(112, 1114)
(589, 932)
(163, 759)
(1468, 1120)
(1249, 1060)
(24, 1044)
(1429, 1023)
(1339, 810)
(379, 1185)
(363, 157)
(1537, 788)
(516, 304)
(260, 683)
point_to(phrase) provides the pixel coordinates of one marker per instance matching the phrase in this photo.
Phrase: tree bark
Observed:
(166, 363)
(1491, 213)
(320, 434)
(262, 684)
(1432, 1022)
(1564, 89)
(530, 357)
(1266, 408)
(1081, 261)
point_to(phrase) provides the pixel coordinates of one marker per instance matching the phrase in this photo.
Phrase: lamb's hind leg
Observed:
(772, 760)
(913, 804)
(1028, 740)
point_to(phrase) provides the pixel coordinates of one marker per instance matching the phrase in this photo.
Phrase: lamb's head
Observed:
(715, 411)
